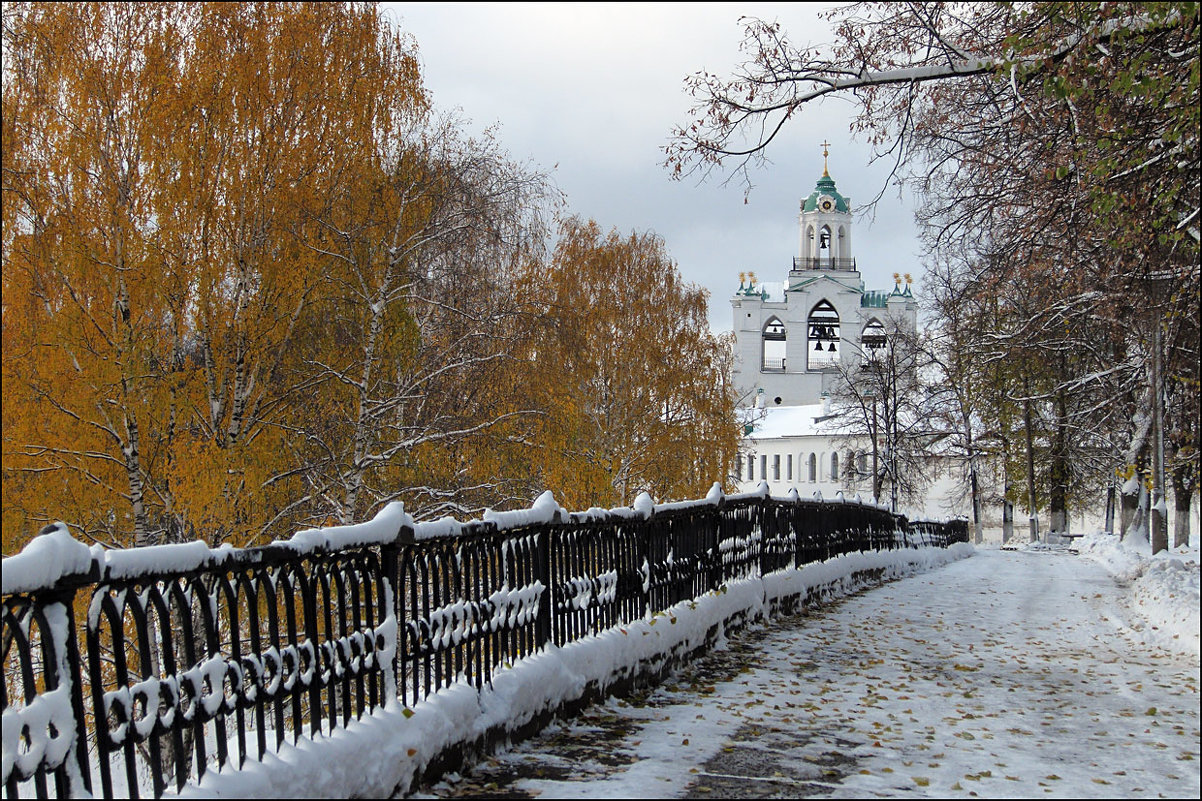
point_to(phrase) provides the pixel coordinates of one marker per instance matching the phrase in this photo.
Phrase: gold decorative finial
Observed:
(909, 280)
(825, 153)
(742, 278)
(897, 278)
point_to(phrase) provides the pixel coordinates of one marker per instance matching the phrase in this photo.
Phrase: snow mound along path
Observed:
(1164, 589)
(387, 751)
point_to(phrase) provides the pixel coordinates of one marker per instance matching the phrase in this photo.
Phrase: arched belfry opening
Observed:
(773, 340)
(873, 339)
(822, 344)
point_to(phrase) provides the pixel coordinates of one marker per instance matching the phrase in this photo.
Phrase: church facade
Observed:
(792, 349)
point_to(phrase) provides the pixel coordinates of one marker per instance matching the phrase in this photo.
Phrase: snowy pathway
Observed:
(1006, 674)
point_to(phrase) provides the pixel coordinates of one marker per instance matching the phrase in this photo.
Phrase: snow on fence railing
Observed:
(130, 672)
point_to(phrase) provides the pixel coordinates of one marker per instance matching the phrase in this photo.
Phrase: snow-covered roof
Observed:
(775, 422)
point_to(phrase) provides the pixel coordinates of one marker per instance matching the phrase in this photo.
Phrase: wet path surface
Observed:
(1006, 674)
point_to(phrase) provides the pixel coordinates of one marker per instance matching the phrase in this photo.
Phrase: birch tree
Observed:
(89, 324)
(159, 161)
(415, 325)
(635, 388)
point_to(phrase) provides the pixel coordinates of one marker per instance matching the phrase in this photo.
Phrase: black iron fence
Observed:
(129, 673)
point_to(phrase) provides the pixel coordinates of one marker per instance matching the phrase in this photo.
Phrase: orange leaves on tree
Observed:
(161, 163)
(632, 380)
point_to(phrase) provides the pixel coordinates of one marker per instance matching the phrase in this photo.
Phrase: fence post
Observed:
(53, 657)
(75, 661)
(643, 563)
(394, 602)
(719, 530)
(767, 529)
(52, 660)
(767, 532)
(543, 572)
(65, 598)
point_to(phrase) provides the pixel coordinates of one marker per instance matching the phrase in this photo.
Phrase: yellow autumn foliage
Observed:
(253, 282)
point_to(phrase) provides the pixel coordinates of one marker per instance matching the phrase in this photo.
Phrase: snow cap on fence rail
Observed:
(433, 529)
(545, 509)
(760, 492)
(713, 498)
(597, 513)
(54, 554)
(48, 557)
(601, 514)
(176, 557)
(939, 521)
(380, 530)
(794, 495)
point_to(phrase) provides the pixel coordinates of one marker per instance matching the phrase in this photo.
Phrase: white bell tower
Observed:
(791, 349)
(825, 226)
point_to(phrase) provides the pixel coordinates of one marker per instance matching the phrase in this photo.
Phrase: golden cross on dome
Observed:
(825, 153)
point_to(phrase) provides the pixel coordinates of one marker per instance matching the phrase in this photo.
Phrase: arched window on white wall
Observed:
(822, 344)
(773, 339)
(813, 467)
(835, 466)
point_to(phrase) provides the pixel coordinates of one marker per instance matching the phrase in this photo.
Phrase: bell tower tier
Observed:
(825, 226)
(792, 348)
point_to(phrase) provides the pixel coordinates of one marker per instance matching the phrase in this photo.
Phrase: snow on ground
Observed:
(1024, 673)
(1163, 589)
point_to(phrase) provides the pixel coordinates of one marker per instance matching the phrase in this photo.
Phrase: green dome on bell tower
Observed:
(825, 196)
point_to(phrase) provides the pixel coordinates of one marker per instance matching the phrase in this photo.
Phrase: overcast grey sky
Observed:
(596, 90)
